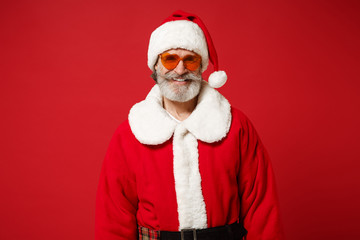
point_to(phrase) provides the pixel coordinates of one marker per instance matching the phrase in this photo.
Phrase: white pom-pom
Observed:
(217, 79)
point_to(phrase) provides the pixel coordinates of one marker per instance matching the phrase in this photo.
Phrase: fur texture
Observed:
(217, 79)
(209, 122)
(178, 34)
(149, 121)
(190, 200)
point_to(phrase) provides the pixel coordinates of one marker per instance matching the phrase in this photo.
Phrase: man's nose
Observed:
(180, 68)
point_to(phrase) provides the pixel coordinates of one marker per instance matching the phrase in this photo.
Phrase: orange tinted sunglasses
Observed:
(170, 61)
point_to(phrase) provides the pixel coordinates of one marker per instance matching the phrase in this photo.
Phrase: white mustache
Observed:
(183, 77)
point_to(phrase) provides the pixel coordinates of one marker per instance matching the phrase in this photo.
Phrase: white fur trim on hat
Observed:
(178, 34)
(217, 79)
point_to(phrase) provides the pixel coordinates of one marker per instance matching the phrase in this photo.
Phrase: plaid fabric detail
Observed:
(148, 234)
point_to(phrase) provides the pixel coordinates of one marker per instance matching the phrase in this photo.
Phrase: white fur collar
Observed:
(209, 122)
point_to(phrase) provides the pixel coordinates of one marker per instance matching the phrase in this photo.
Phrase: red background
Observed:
(71, 70)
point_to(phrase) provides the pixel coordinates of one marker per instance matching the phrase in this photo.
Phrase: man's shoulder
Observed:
(242, 122)
(123, 130)
(239, 117)
(123, 126)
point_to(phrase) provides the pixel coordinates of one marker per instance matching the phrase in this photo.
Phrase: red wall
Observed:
(70, 71)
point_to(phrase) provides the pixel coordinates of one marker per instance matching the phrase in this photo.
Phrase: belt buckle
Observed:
(188, 230)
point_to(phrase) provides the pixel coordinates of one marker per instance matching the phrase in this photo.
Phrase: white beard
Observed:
(179, 93)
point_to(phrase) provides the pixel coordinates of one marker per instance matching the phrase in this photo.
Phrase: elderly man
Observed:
(186, 165)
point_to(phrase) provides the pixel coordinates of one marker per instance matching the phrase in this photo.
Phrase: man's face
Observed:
(179, 84)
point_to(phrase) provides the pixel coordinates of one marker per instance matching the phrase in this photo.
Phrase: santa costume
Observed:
(207, 171)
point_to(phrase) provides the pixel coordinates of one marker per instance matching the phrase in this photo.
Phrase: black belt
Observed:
(227, 232)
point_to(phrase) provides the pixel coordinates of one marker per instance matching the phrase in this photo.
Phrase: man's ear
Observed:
(154, 76)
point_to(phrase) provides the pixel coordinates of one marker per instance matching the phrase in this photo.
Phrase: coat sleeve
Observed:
(116, 199)
(259, 204)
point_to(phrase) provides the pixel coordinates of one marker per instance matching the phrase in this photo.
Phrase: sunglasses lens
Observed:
(170, 61)
(192, 62)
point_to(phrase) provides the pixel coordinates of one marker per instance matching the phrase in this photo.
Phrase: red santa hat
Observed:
(187, 31)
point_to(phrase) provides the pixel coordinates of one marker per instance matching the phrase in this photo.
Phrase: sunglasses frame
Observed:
(178, 59)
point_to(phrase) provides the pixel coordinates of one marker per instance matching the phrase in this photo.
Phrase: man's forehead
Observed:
(179, 51)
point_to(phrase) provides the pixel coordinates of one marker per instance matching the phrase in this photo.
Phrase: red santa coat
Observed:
(209, 170)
